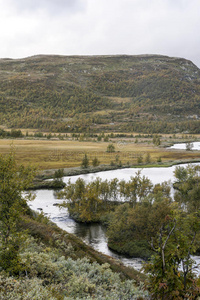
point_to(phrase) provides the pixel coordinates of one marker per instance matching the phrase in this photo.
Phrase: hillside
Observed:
(147, 93)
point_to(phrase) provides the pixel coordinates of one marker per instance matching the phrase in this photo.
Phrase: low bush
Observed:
(47, 275)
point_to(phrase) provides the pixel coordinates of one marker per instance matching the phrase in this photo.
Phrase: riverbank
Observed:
(95, 234)
(44, 178)
(53, 236)
(49, 173)
(47, 184)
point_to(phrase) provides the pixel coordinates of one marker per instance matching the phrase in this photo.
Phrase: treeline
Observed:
(88, 202)
(13, 133)
(81, 125)
(155, 127)
(17, 133)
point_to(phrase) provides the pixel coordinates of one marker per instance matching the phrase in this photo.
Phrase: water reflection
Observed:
(95, 234)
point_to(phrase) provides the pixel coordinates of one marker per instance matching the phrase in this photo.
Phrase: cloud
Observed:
(50, 6)
(161, 27)
(84, 27)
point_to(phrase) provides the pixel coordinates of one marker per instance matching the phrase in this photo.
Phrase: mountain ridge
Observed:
(74, 93)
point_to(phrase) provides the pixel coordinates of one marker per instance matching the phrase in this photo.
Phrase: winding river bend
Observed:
(95, 234)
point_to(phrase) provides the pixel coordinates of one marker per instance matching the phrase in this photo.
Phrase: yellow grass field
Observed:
(55, 153)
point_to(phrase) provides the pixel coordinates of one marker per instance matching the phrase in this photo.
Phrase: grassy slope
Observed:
(50, 235)
(74, 93)
(58, 265)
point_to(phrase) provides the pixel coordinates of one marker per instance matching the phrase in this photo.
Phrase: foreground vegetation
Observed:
(145, 222)
(51, 269)
(40, 261)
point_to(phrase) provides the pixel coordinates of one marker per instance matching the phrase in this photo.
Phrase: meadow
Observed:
(68, 153)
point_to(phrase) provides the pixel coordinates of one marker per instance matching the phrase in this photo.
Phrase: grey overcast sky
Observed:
(100, 27)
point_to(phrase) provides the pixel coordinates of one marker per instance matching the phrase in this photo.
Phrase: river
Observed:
(182, 146)
(95, 234)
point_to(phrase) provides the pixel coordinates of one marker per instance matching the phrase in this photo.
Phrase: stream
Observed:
(95, 234)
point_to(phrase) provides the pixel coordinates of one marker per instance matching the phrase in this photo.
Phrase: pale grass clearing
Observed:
(54, 153)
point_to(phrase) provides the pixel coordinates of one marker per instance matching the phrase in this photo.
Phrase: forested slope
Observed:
(149, 93)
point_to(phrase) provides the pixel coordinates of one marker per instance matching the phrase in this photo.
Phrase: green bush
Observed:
(47, 275)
